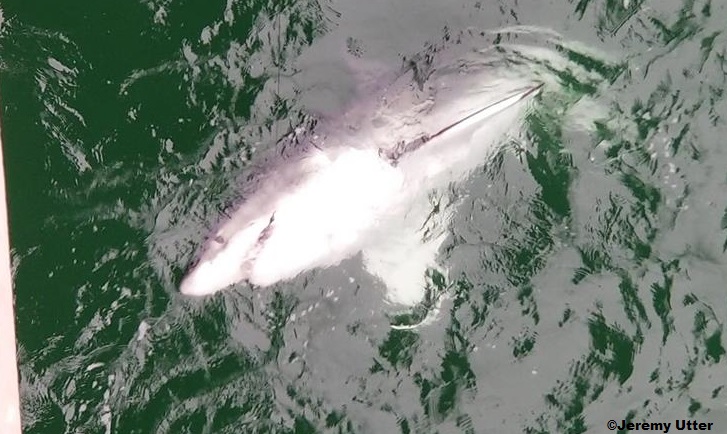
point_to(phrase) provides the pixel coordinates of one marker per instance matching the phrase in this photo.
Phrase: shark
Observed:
(361, 182)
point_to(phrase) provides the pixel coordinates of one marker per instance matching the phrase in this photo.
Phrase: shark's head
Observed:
(226, 257)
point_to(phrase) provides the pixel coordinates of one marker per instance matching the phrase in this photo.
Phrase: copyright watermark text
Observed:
(664, 427)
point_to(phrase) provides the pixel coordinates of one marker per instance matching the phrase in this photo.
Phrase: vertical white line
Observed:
(9, 397)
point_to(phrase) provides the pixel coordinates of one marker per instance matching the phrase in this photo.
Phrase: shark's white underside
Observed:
(347, 199)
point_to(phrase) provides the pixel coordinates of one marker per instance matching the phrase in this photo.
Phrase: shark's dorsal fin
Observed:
(401, 148)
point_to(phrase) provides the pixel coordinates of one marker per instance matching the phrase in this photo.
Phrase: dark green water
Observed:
(587, 269)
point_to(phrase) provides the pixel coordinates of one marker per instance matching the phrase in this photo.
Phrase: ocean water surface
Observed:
(582, 276)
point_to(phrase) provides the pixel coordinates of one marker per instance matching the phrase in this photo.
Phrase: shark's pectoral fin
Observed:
(427, 309)
(406, 265)
(401, 262)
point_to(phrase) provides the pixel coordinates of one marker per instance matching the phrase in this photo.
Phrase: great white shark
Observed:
(361, 182)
